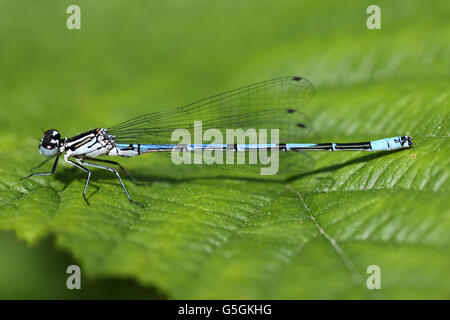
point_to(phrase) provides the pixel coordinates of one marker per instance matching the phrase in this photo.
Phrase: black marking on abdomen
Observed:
(320, 146)
(354, 146)
(296, 78)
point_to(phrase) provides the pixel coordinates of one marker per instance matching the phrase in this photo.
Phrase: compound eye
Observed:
(48, 150)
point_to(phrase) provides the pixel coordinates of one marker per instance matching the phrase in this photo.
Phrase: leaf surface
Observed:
(208, 234)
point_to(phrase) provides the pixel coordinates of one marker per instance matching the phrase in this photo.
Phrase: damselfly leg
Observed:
(55, 164)
(109, 169)
(85, 170)
(128, 173)
(40, 164)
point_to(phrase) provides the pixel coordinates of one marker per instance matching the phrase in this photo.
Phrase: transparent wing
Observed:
(271, 104)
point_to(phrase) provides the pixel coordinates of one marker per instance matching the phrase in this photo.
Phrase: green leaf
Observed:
(222, 235)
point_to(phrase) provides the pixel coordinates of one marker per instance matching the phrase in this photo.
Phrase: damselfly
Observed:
(271, 104)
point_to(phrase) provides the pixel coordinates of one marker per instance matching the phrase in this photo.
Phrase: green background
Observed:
(207, 236)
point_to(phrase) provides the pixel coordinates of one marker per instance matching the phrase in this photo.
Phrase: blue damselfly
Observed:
(271, 104)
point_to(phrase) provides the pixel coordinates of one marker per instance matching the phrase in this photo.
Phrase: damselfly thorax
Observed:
(89, 144)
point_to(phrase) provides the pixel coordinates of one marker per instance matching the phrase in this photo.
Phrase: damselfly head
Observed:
(50, 143)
